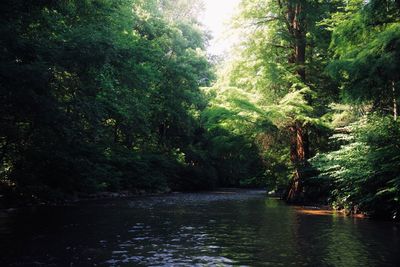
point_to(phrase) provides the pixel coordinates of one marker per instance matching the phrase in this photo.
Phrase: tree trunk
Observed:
(299, 145)
(299, 153)
(300, 41)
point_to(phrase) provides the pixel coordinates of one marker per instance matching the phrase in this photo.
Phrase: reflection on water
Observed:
(231, 228)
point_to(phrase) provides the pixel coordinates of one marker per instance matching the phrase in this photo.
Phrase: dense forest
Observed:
(121, 95)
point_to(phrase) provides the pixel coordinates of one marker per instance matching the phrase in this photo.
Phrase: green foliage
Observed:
(119, 95)
(360, 168)
(231, 122)
(98, 95)
(365, 44)
(364, 171)
(259, 94)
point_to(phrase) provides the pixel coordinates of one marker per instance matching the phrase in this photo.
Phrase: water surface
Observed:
(229, 228)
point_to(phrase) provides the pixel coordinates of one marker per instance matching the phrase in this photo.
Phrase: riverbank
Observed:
(328, 211)
(65, 200)
(305, 208)
(21, 201)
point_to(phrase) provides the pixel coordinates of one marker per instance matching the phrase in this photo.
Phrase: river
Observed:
(225, 228)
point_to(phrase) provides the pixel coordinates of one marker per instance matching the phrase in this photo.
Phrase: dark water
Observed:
(209, 229)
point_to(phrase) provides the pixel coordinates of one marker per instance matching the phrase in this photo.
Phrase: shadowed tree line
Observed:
(102, 95)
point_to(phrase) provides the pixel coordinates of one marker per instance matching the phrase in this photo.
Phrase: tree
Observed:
(365, 44)
(107, 95)
(288, 51)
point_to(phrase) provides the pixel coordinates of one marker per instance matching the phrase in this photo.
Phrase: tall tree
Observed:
(289, 49)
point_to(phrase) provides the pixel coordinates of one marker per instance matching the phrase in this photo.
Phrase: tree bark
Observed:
(299, 153)
(299, 144)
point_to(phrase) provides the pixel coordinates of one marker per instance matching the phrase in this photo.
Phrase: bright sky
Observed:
(216, 17)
